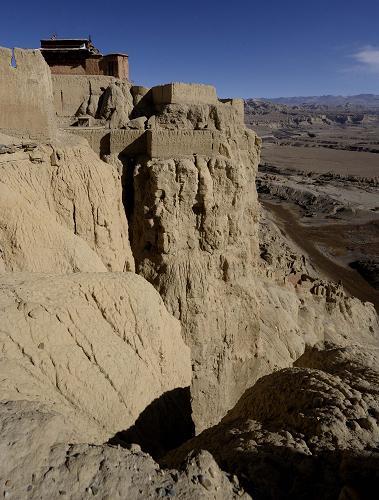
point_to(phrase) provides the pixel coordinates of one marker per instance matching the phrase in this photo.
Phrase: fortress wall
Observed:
(237, 105)
(184, 93)
(71, 90)
(152, 143)
(26, 96)
(98, 139)
(128, 142)
(105, 141)
(171, 144)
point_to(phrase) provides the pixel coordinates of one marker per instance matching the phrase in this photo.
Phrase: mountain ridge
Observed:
(364, 100)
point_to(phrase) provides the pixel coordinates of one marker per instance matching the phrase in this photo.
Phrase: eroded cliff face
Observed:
(61, 210)
(89, 355)
(194, 236)
(87, 346)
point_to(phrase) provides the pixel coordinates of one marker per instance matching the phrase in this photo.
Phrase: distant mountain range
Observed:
(368, 101)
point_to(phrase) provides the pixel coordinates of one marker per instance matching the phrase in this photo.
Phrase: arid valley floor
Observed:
(319, 180)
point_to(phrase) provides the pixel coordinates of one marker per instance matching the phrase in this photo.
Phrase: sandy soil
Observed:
(322, 160)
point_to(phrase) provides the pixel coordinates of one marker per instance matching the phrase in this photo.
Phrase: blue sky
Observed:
(246, 48)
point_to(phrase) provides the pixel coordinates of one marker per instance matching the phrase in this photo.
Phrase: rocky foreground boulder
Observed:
(311, 431)
(38, 463)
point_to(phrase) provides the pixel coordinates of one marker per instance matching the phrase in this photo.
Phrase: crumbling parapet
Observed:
(26, 96)
(178, 143)
(184, 93)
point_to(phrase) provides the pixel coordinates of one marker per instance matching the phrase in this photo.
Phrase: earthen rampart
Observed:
(26, 97)
(184, 93)
(71, 90)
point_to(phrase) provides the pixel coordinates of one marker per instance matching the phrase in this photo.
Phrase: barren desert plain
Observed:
(319, 180)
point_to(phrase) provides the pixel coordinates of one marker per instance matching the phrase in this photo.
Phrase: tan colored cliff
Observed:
(61, 210)
(194, 235)
(96, 348)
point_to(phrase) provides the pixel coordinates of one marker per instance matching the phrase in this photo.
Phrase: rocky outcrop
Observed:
(308, 431)
(105, 99)
(194, 236)
(116, 105)
(95, 348)
(38, 463)
(61, 210)
(280, 257)
(298, 307)
(294, 317)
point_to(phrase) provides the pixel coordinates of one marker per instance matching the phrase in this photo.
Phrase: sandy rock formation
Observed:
(280, 257)
(296, 297)
(97, 96)
(116, 104)
(96, 348)
(293, 318)
(298, 308)
(61, 210)
(308, 431)
(194, 236)
(37, 462)
(85, 356)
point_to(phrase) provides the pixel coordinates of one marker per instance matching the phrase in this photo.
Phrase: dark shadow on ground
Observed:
(165, 424)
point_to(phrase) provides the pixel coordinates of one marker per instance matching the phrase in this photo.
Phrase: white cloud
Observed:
(368, 58)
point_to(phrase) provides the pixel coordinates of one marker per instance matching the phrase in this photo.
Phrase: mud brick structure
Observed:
(80, 57)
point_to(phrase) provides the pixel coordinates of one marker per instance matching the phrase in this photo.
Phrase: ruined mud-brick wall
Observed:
(184, 93)
(76, 95)
(70, 91)
(26, 103)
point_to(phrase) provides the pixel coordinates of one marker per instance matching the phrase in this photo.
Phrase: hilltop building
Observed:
(78, 56)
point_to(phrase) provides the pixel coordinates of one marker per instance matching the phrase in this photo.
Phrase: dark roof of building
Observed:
(64, 44)
(117, 54)
(65, 40)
